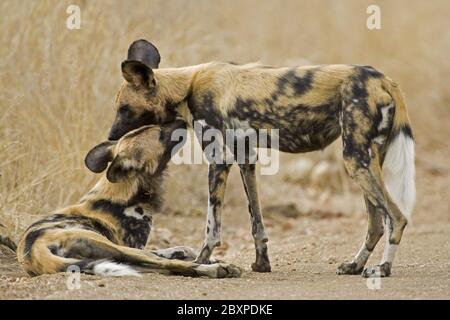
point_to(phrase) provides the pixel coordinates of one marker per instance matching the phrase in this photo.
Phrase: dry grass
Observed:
(57, 85)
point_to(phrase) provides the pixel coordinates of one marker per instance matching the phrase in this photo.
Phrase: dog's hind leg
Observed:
(362, 163)
(374, 233)
(376, 132)
(248, 174)
(217, 178)
(394, 225)
(370, 181)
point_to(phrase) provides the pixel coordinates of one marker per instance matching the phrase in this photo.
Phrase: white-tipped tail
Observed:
(399, 173)
(113, 269)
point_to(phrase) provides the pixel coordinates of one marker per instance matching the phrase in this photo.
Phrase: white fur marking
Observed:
(380, 139)
(384, 123)
(399, 173)
(129, 164)
(211, 237)
(113, 269)
(131, 212)
(389, 253)
(389, 249)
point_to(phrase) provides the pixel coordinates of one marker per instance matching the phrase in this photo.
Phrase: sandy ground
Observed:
(305, 251)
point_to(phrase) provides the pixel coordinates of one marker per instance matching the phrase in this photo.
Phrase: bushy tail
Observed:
(398, 167)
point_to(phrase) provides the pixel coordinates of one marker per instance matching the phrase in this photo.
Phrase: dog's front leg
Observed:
(217, 178)
(248, 174)
(179, 253)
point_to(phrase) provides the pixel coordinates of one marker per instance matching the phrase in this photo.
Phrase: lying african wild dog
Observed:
(104, 232)
(311, 107)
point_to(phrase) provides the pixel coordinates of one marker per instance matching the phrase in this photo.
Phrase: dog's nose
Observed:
(113, 136)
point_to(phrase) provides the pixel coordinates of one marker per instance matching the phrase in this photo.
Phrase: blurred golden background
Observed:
(57, 88)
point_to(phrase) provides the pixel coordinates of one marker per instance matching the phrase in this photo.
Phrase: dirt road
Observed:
(305, 251)
(304, 268)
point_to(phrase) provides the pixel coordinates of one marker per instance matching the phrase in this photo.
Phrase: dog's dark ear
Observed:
(97, 159)
(142, 58)
(145, 52)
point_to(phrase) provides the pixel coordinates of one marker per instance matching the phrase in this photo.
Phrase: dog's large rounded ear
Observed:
(142, 58)
(120, 169)
(129, 163)
(97, 159)
(145, 52)
(138, 74)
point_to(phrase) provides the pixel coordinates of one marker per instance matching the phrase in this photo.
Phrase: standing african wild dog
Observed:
(104, 232)
(311, 107)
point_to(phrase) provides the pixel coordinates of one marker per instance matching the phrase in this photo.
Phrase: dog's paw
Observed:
(226, 270)
(219, 270)
(261, 267)
(381, 270)
(348, 268)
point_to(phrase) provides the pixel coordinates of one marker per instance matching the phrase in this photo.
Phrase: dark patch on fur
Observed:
(204, 107)
(300, 84)
(406, 129)
(319, 123)
(53, 249)
(135, 231)
(30, 239)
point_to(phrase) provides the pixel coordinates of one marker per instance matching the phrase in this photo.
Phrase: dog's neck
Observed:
(175, 85)
(144, 193)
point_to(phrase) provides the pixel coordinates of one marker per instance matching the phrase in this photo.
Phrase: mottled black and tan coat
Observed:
(310, 106)
(105, 232)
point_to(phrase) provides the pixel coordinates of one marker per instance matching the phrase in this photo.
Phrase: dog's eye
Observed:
(124, 108)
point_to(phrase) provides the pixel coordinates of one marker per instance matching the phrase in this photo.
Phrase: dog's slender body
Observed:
(105, 232)
(311, 107)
